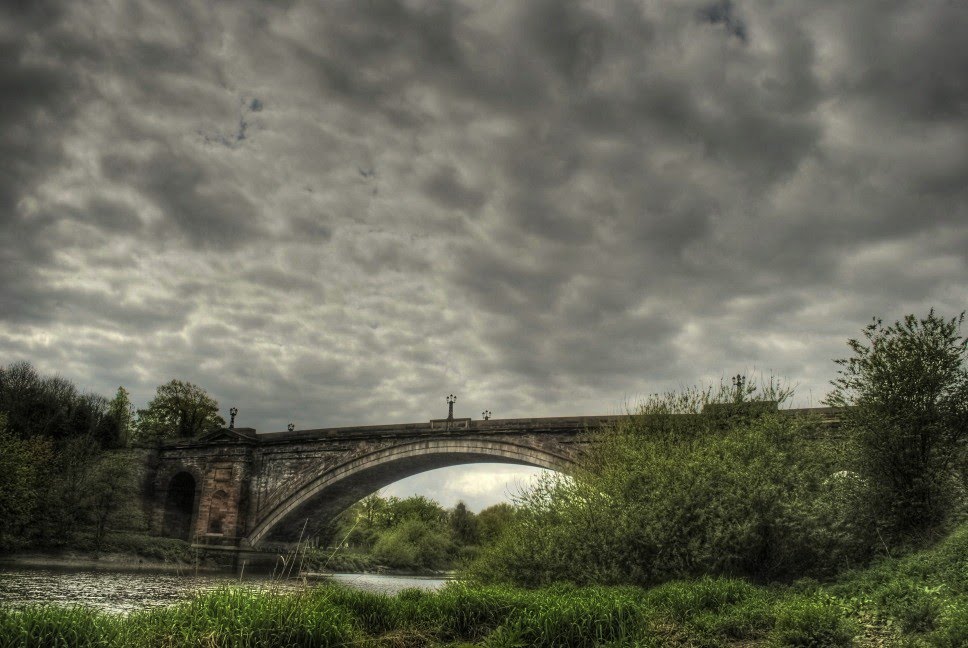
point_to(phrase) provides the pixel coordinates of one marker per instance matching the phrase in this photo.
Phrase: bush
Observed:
(812, 623)
(916, 607)
(906, 386)
(952, 629)
(678, 493)
(414, 544)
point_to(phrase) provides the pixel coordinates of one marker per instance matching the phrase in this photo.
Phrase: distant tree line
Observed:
(413, 533)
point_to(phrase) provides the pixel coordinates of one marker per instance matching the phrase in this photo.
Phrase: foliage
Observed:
(121, 412)
(925, 593)
(111, 496)
(463, 525)
(686, 488)
(703, 612)
(22, 466)
(64, 510)
(907, 388)
(63, 479)
(809, 623)
(414, 543)
(178, 410)
(863, 608)
(492, 521)
(51, 407)
(387, 531)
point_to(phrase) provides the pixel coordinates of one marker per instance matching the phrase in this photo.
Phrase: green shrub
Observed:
(907, 388)
(916, 607)
(811, 623)
(677, 493)
(952, 626)
(414, 544)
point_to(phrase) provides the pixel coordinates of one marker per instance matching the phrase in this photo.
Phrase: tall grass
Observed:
(919, 600)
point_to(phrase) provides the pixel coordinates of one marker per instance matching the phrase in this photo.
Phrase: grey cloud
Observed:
(206, 212)
(723, 13)
(446, 187)
(908, 61)
(570, 36)
(573, 202)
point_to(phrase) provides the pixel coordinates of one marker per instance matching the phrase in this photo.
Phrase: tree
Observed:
(64, 511)
(178, 410)
(121, 419)
(414, 543)
(463, 525)
(492, 521)
(23, 462)
(415, 507)
(906, 387)
(110, 490)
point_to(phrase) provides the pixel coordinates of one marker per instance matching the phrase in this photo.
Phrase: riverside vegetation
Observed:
(72, 467)
(919, 600)
(706, 520)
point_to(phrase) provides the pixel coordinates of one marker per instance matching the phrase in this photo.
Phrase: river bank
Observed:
(66, 559)
(139, 551)
(124, 590)
(918, 600)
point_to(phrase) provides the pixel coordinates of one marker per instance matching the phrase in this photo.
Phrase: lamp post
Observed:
(486, 414)
(450, 406)
(291, 427)
(232, 413)
(739, 387)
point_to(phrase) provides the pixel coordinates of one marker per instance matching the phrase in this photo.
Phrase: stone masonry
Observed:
(239, 489)
(253, 487)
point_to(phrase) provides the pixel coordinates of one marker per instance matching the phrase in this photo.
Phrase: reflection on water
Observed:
(124, 591)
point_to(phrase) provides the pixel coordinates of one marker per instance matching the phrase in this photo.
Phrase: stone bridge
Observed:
(236, 488)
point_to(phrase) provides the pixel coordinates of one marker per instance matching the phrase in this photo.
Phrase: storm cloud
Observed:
(337, 213)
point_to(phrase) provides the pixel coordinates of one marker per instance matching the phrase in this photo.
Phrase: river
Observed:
(125, 591)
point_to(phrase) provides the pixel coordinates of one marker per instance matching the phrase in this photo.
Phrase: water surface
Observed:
(124, 591)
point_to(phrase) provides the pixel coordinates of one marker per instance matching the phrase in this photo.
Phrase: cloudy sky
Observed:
(336, 213)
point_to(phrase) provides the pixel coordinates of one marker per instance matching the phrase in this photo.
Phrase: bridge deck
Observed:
(522, 425)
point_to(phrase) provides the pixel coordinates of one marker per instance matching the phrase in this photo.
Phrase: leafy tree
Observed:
(50, 406)
(178, 410)
(23, 462)
(121, 419)
(416, 507)
(110, 495)
(20, 396)
(463, 525)
(64, 508)
(906, 385)
(492, 521)
(414, 543)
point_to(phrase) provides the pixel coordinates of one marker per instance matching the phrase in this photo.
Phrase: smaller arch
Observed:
(180, 503)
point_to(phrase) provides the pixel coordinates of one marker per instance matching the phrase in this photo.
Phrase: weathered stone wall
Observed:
(243, 478)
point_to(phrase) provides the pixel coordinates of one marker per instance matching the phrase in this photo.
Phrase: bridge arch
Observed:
(336, 489)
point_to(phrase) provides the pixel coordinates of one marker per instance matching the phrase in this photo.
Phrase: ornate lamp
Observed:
(232, 413)
(451, 399)
(486, 414)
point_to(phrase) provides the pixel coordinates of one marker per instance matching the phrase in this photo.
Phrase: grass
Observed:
(920, 600)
